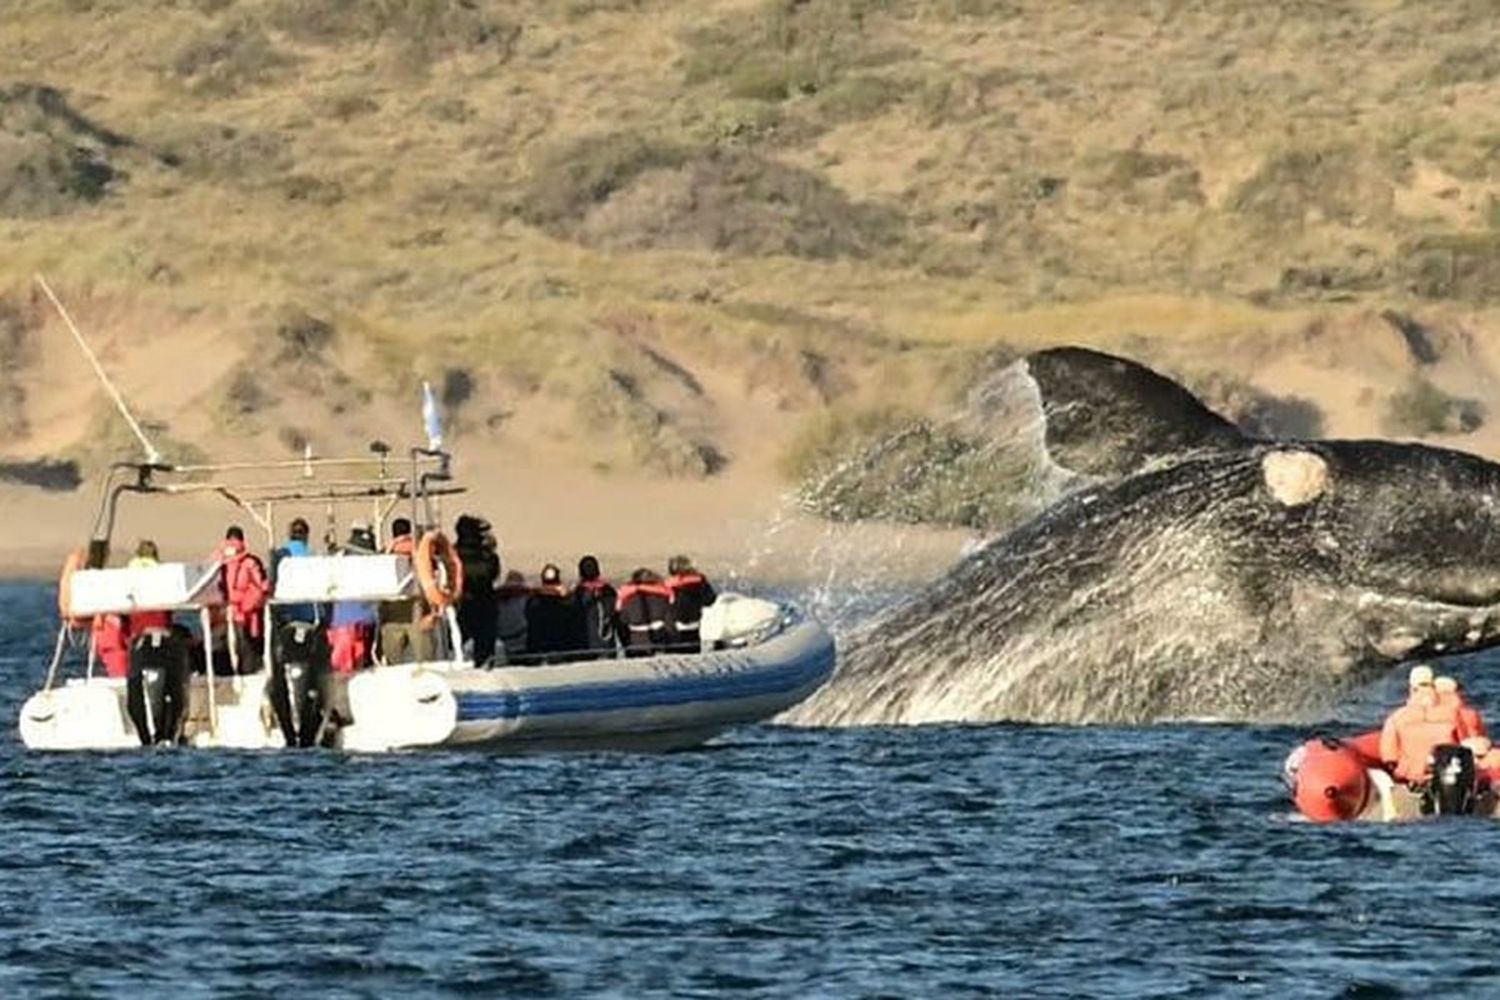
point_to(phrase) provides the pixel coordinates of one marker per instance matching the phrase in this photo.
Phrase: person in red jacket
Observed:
(691, 593)
(246, 589)
(1412, 731)
(111, 638)
(1450, 695)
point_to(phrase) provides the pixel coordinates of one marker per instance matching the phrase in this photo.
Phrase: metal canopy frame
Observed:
(428, 480)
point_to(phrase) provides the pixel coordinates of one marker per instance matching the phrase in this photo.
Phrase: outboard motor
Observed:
(156, 692)
(299, 669)
(1451, 789)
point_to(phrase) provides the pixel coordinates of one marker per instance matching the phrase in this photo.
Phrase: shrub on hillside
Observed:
(425, 30)
(1422, 409)
(734, 201)
(1454, 266)
(224, 59)
(569, 179)
(1290, 186)
(51, 157)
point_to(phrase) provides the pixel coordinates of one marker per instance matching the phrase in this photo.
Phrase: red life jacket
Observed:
(111, 634)
(631, 590)
(246, 586)
(349, 647)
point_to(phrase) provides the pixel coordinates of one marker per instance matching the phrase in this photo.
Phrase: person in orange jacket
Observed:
(1450, 696)
(1412, 731)
(247, 588)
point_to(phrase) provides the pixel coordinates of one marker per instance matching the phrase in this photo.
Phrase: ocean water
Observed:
(932, 862)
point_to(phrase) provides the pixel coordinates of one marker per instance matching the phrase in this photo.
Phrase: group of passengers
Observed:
(499, 618)
(1435, 714)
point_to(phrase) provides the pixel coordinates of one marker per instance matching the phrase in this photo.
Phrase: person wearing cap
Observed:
(351, 624)
(554, 629)
(1412, 731)
(1450, 698)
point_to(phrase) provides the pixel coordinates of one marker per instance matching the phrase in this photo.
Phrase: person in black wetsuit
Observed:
(554, 630)
(595, 600)
(475, 544)
(691, 593)
(645, 609)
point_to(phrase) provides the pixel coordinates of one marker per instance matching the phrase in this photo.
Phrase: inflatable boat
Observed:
(189, 684)
(1333, 780)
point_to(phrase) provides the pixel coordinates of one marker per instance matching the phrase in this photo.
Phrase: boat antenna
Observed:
(153, 457)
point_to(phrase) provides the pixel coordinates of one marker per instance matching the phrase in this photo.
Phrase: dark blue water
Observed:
(930, 862)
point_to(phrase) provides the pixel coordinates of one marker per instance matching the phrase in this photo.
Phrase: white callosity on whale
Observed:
(1229, 578)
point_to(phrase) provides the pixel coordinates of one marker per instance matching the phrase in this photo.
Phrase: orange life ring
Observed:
(71, 565)
(434, 551)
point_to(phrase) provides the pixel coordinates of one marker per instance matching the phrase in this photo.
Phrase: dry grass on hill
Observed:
(659, 236)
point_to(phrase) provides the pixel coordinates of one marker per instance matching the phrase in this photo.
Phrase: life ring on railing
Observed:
(435, 552)
(71, 565)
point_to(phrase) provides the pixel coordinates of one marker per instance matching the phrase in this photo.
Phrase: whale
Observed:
(1188, 572)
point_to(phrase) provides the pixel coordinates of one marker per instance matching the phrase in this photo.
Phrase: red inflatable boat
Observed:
(1343, 779)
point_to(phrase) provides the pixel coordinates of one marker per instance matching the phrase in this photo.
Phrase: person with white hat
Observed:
(1412, 731)
(1450, 699)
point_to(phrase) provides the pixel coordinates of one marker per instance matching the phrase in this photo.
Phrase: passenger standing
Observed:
(595, 600)
(351, 624)
(296, 547)
(645, 610)
(247, 589)
(553, 628)
(510, 601)
(476, 548)
(146, 555)
(406, 631)
(691, 593)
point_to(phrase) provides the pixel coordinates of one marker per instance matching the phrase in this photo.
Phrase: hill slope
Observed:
(656, 239)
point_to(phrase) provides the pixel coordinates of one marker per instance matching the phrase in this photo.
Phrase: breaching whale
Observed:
(1223, 578)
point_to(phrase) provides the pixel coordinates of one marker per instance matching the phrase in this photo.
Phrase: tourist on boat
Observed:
(147, 555)
(553, 627)
(645, 610)
(295, 547)
(475, 544)
(691, 593)
(111, 638)
(351, 624)
(595, 599)
(406, 631)
(1450, 697)
(1412, 731)
(246, 590)
(510, 615)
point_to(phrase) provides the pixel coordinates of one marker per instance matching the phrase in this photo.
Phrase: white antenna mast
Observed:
(153, 456)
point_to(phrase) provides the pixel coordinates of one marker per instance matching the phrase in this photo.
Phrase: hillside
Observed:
(694, 242)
